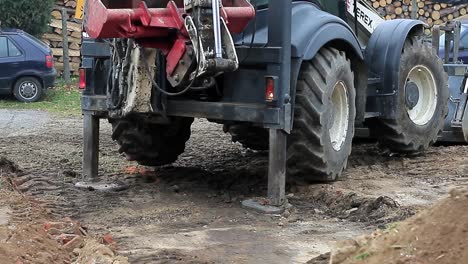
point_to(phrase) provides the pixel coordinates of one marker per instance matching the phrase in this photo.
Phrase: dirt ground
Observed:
(438, 235)
(190, 212)
(28, 234)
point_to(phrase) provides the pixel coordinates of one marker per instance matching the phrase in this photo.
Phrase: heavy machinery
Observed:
(455, 129)
(293, 77)
(456, 123)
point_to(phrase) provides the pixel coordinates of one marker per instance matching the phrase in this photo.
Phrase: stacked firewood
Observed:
(432, 13)
(55, 36)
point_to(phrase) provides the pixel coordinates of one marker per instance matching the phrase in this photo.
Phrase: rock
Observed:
(54, 231)
(76, 242)
(69, 173)
(55, 225)
(65, 238)
(318, 211)
(107, 239)
(175, 188)
(76, 251)
(120, 260)
(347, 213)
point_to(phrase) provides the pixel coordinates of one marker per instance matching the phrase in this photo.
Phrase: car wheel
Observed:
(28, 90)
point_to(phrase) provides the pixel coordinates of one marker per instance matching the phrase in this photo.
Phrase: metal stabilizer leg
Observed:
(276, 201)
(91, 157)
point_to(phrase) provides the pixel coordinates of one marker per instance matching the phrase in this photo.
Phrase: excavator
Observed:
(291, 77)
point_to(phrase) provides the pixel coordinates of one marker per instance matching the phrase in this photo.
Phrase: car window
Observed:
(3, 47)
(13, 51)
(34, 39)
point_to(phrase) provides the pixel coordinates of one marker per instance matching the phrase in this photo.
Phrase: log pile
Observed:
(55, 36)
(430, 12)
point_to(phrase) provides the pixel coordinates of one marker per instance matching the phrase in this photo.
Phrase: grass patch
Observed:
(392, 226)
(362, 256)
(63, 99)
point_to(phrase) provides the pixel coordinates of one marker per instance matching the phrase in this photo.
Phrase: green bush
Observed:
(31, 16)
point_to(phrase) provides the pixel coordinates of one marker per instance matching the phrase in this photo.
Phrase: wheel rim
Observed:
(28, 90)
(340, 116)
(423, 111)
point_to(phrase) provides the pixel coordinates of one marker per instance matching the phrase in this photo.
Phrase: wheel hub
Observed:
(28, 90)
(411, 95)
(420, 95)
(339, 116)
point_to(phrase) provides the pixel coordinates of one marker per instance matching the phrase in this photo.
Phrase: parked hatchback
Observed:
(26, 65)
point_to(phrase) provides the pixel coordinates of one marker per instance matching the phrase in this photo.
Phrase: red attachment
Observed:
(174, 56)
(49, 61)
(82, 84)
(270, 89)
(143, 22)
(151, 27)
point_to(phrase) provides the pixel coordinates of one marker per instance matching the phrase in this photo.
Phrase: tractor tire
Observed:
(248, 136)
(151, 144)
(324, 114)
(418, 121)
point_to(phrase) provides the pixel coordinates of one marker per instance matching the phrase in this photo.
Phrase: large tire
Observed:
(415, 127)
(321, 140)
(151, 144)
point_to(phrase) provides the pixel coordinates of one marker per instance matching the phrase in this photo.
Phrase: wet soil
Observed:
(190, 212)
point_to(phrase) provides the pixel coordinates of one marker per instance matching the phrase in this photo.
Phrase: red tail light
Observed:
(49, 61)
(270, 89)
(82, 78)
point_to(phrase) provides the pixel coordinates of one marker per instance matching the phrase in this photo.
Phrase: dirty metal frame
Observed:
(152, 27)
(276, 55)
(456, 70)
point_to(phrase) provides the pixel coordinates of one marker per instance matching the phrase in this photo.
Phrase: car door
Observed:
(11, 59)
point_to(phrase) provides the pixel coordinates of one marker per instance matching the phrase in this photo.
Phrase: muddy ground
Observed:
(190, 212)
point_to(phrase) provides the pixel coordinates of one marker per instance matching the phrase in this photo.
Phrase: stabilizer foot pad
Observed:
(261, 205)
(102, 186)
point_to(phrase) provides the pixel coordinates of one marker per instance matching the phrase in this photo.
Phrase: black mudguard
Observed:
(382, 56)
(310, 35)
(311, 29)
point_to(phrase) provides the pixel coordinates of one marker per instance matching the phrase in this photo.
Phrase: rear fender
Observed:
(382, 56)
(27, 73)
(326, 30)
(310, 35)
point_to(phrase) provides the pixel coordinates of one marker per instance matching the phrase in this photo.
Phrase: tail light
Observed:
(82, 84)
(270, 89)
(49, 61)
